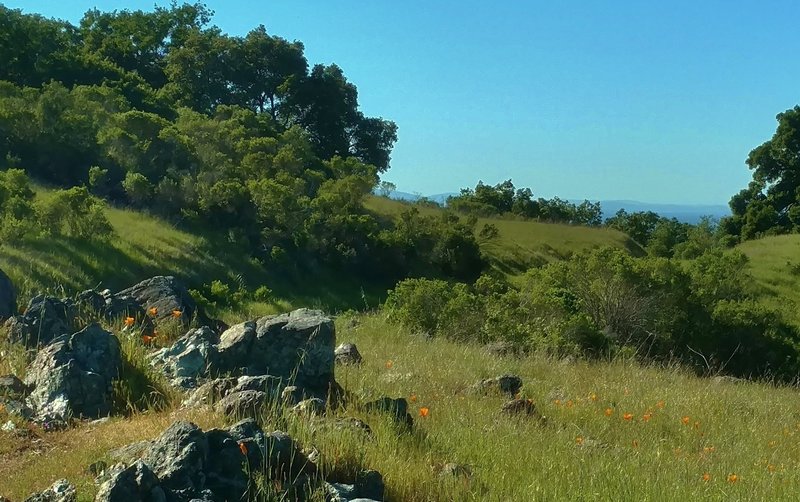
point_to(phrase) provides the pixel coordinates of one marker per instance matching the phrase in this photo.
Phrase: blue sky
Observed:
(650, 101)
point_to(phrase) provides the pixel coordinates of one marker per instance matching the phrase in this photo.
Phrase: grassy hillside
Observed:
(523, 244)
(613, 430)
(775, 264)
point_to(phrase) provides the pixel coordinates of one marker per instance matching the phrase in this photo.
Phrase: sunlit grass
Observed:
(775, 264)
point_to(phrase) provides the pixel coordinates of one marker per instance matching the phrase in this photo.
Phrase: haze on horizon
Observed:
(657, 103)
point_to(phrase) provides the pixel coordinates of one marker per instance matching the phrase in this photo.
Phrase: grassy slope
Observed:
(775, 265)
(749, 430)
(523, 244)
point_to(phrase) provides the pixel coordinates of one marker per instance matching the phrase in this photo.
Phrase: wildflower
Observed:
(609, 411)
(579, 440)
(147, 339)
(153, 311)
(706, 477)
(593, 396)
(660, 405)
(176, 314)
(557, 402)
(412, 398)
(389, 365)
(647, 416)
(627, 416)
(732, 478)
(423, 412)
(243, 448)
(685, 420)
(569, 403)
(129, 321)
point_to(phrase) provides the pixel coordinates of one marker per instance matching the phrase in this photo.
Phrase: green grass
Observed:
(523, 244)
(775, 265)
(749, 430)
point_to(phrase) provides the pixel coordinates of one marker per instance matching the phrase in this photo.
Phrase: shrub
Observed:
(74, 212)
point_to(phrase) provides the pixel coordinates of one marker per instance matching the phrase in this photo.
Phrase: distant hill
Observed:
(687, 213)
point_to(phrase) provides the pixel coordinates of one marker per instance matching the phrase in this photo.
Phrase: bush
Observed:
(74, 212)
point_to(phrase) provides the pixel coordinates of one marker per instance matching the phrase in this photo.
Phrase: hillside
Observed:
(523, 244)
(775, 264)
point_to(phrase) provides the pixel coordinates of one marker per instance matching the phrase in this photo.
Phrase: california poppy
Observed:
(413, 398)
(243, 448)
(423, 412)
(627, 416)
(609, 411)
(579, 440)
(176, 313)
(389, 365)
(706, 477)
(153, 311)
(129, 321)
(660, 404)
(732, 478)
(685, 420)
(593, 396)
(147, 339)
(647, 416)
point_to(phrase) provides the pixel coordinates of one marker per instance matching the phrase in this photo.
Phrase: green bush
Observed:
(74, 212)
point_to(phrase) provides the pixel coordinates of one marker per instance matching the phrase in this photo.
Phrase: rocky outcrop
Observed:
(72, 376)
(45, 319)
(8, 297)
(297, 347)
(167, 298)
(191, 357)
(185, 463)
(61, 491)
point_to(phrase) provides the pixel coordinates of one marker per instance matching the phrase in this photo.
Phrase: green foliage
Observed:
(75, 213)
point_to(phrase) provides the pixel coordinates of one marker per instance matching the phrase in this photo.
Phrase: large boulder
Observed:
(45, 319)
(347, 354)
(297, 347)
(192, 356)
(72, 377)
(179, 458)
(8, 297)
(135, 483)
(168, 298)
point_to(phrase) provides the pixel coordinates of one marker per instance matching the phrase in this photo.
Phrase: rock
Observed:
(505, 384)
(272, 385)
(243, 404)
(297, 347)
(130, 453)
(168, 296)
(210, 392)
(310, 407)
(347, 354)
(90, 301)
(292, 395)
(9, 426)
(8, 297)
(119, 307)
(12, 387)
(136, 483)
(96, 468)
(284, 458)
(225, 476)
(351, 423)
(61, 491)
(189, 358)
(524, 407)
(72, 377)
(45, 319)
(369, 485)
(396, 408)
(179, 458)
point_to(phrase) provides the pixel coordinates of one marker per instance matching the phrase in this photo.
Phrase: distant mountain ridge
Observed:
(687, 213)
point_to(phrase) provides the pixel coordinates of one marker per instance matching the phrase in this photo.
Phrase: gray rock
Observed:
(396, 408)
(264, 383)
(129, 453)
(90, 301)
(225, 476)
(72, 377)
(243, 404)
(310, 407)
(136, 483)
(509, 385)
(210, 392)
(369, 485)
(292, 395)
(167, 295)
(12, 387)
(347, 354)
(191, 357)
(523, 407)
(45, 319)
(285, 459)
(8, 297)
(179, 458)
(60, 491)
(118, 307)
(352, 423)
(297, 347)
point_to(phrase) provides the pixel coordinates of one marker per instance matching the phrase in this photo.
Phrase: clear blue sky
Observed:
(652, 101)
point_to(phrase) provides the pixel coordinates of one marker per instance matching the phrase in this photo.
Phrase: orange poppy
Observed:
(647, 416)
(557, 402)
(413, 398)
(732, 478)
(153, 311)
(423, 412)
(661, 404)
(593, 396)
(627, 416)
(579, 440)
(243, 449)
(685, 420)
(609, 411)
(706, 477)
(389, 365)
(569, 403)
(176, 313)
(147, 339)
(129, 321)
